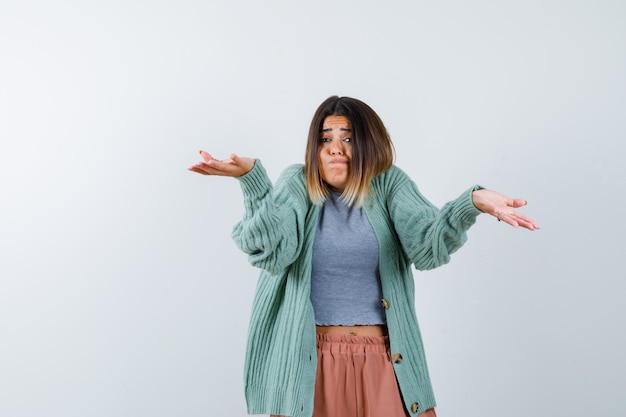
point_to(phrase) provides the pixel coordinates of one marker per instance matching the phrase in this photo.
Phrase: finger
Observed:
(235, 159)
(245, 164)
(209, 168)
(205, 155)
(525, 221)
(528, 223)
(511, 219)
(518, 202)
(518, 220)
(225, 165)
(197, 169)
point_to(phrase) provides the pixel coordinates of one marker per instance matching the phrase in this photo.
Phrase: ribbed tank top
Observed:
(345, 281)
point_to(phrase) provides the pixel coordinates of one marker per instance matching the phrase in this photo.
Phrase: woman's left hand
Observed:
(500, 206)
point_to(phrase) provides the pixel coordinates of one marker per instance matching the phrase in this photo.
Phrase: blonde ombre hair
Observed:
(372, 150)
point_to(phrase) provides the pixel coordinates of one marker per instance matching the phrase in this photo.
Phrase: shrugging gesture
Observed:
(487, 201)
(334, 240)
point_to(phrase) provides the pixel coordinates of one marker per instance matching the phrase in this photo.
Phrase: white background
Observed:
(121, 291)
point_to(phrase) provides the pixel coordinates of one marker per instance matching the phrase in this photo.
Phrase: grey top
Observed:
(345, 282)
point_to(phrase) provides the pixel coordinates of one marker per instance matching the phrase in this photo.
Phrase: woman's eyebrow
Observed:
(343, 129)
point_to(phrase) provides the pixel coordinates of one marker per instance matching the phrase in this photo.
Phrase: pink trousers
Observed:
(355, 378)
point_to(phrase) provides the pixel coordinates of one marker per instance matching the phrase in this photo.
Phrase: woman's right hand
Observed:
(234, 166)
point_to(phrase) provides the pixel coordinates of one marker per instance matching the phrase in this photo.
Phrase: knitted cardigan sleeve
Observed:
(273, 221)
(428, 235)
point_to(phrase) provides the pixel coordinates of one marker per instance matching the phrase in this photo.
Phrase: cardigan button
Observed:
(385, 303)
(415, 407)
(396, 358)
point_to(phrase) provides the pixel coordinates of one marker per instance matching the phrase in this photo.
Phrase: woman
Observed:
(333, 331)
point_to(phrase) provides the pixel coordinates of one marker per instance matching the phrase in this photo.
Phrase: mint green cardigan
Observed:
(277, 232)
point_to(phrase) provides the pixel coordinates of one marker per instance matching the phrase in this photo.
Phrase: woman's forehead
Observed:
(335, 122)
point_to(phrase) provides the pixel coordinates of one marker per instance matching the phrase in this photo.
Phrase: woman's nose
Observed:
(336, 148)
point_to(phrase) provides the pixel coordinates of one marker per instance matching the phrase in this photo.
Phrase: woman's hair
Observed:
(372, 150)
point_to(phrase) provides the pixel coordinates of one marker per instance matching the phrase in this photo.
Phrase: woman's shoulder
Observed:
(292, 174)
(292, 182)
(293, 170)
(393, 176)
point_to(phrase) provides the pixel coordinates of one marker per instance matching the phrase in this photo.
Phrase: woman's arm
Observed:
(430, 235)
(273, 221)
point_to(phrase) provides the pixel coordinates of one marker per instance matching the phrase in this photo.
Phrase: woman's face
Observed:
(335, 151)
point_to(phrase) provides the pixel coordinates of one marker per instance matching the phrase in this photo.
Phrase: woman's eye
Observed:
(325, 139)
(347, 139)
